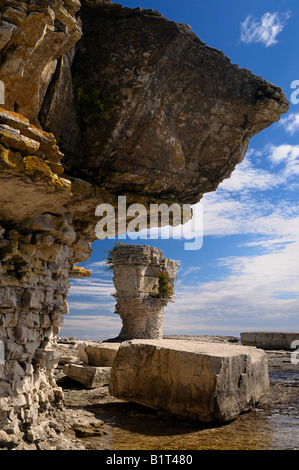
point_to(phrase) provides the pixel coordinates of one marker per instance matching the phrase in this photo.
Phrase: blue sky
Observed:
(245, 276)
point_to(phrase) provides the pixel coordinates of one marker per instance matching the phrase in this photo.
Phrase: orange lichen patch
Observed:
(42, 131)
(35, 164)
(55, 167)
(18, 133)
(4, 113)
(79, 272)
(11, 159)
(13, 139)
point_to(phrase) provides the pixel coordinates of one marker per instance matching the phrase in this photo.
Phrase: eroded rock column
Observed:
(144, 282)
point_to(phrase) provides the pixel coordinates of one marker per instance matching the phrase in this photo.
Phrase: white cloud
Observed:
(265, 30)
(190, 270)
(290, 123)
(91, 326)
(240, 206)
(247, 177)
(260, 292)
(287, 155)
(93, 288)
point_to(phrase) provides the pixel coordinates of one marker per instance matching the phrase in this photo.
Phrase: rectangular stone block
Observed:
(91, 377)
(269, 340)
(196, 380)
(98, 354)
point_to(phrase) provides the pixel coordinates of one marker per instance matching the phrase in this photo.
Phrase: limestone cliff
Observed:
(138, 106)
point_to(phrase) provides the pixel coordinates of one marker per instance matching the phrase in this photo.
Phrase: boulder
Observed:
(269, 340)
(195, 380)
(91, 377)
(99, 355)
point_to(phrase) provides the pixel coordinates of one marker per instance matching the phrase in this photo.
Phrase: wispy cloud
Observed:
(288, 155)
(91, 326)
(260, 291)
(290, 123)
(240, 205)
(190, 270)
(92, 287)
(248, 177)
(265, 30)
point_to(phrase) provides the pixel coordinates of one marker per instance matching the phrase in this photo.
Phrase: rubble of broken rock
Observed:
(91, 418)
(90, 415)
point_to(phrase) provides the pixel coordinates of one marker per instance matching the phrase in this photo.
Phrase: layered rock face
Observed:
(35, 36)
(198, 381)
(138, 107)
(140, 295)
(39, 245)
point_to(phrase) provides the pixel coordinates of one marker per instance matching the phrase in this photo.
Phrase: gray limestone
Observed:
(192, 379)
(91, 377)
(140, 298)
(269, 340)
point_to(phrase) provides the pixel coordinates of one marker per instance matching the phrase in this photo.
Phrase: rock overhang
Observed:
(176, 115)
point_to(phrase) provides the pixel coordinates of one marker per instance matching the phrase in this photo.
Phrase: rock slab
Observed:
(199, 381)
(91, 377)
(269, 339)
(98, 355)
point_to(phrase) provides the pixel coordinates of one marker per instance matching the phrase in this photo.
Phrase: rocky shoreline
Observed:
(90, 416)
(85, 422)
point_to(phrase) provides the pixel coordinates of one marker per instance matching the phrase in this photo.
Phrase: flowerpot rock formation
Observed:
(144, 282)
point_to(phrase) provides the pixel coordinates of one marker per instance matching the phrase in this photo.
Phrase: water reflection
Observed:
(134, 427)
(143, 429)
